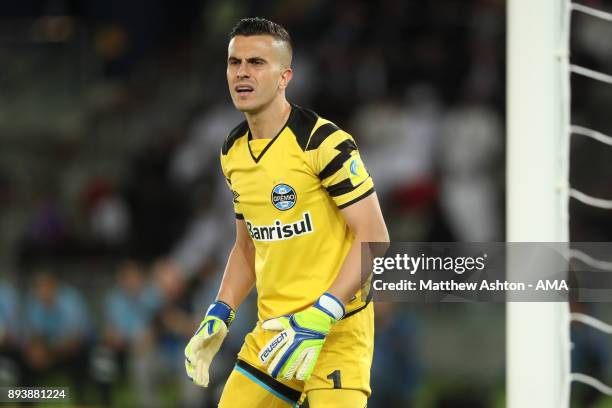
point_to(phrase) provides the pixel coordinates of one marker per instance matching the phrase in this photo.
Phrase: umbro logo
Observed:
(236, 195)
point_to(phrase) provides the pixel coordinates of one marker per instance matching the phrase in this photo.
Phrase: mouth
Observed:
(243, 89)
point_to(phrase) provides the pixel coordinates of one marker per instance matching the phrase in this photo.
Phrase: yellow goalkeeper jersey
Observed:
(289, 194)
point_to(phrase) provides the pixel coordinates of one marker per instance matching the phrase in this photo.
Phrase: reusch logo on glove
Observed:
(266, 352)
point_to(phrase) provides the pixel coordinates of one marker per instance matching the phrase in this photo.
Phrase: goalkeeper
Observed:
(304, 202)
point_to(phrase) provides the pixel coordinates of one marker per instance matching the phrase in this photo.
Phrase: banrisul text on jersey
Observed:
(279, 231)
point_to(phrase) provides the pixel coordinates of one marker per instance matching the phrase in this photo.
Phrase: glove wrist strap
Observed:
(331, 305)
(222, 311)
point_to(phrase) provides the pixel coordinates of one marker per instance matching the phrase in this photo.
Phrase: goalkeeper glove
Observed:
(296, 349)
(206, 341)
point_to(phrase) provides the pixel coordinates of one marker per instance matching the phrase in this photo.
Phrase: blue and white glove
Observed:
(296, 349)
(207, 341)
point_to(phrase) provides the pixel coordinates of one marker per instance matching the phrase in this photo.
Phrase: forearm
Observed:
(348, 281)
(366, 222)
(350, 278)
(239, 276)
(238, 280)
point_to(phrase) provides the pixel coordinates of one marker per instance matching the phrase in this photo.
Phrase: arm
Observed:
(238, 280)
(239, 275)
(365, 220)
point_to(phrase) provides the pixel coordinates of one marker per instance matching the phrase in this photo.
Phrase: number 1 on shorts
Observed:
(335, 377)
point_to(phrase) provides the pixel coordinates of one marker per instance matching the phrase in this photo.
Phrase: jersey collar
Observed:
(250, 137)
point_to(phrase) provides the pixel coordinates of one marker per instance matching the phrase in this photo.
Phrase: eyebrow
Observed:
(250, 60)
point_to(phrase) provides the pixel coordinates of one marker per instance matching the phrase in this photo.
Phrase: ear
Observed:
(286, 76)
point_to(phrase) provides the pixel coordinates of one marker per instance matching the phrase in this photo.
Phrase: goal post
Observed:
(537, 358)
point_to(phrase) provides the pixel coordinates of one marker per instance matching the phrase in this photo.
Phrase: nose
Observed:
(241, 72)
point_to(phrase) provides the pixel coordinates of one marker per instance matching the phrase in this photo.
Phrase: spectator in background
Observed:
(10, 357)
(469, 152)
(46, 230)
(108, 214)
(128, 310)
(57, 330)
(158, 356)
(129, 307)
(197, 157)
(399, 140)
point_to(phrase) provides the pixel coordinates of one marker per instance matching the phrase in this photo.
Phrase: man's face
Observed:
(45, 288)
(257, 71)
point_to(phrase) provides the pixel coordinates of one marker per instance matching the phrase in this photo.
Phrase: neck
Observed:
(267, 122)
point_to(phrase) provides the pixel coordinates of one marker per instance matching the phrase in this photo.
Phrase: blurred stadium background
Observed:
(115, 222)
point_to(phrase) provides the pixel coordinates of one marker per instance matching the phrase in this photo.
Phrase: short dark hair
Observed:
(261, 26)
